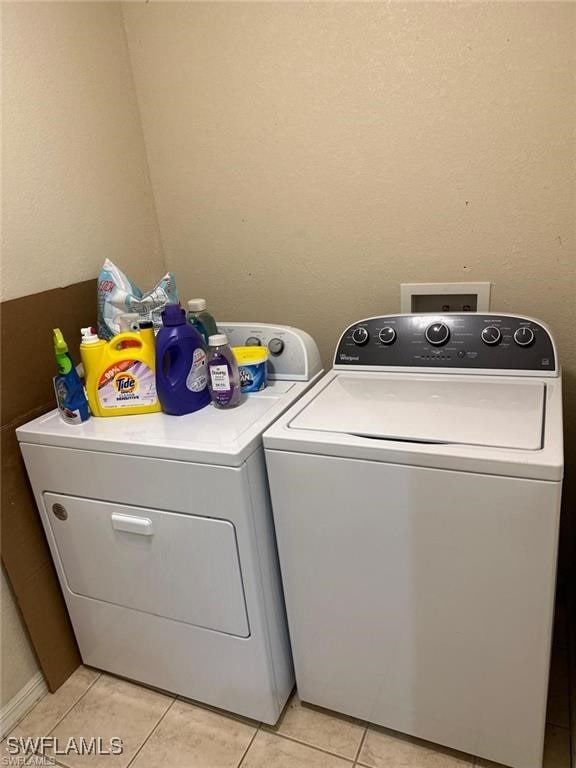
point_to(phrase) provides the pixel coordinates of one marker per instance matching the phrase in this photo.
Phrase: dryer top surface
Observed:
(208, 436)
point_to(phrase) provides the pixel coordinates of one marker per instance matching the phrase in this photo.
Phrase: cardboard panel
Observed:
(27, 351)
(26, 393)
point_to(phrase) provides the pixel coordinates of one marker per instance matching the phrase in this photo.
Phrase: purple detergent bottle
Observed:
(224, 380)
(181, 370)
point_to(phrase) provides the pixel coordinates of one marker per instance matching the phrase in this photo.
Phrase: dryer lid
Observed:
(430, 410)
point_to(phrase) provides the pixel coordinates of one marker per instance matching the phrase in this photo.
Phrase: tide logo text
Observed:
(125, 383)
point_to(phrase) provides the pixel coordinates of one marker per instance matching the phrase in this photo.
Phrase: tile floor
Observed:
(160, 730)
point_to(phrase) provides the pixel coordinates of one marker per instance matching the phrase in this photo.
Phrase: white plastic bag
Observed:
(118, 295)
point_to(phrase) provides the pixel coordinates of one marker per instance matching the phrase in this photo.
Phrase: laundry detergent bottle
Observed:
(199, 317)
(120, 373)
(181, 372)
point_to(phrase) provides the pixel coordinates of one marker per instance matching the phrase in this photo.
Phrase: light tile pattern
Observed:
(270, 751)
(112, 708)
(387, 749)
(192, 737)
(160, 730)
(52, 707)
(319, 728)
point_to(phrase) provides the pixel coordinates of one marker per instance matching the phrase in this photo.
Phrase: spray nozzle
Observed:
(60, 346)
(89, 335)
(61, 352)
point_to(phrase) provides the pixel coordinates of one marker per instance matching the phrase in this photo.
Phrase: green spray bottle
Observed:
(68, 386)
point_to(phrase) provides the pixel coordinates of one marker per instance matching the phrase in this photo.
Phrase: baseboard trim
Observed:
(20, 704)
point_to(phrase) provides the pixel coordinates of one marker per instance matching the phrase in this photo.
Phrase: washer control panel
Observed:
(457, 341)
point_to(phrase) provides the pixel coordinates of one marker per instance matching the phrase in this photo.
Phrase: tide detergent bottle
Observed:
(120, 373)
(181, 372)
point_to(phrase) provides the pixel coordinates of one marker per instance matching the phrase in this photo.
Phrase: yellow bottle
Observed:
(120, 373)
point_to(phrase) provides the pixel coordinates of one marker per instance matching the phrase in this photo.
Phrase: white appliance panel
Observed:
(252, 675)
(210, 435)
(544, 464)
(420, 599)
(167, 557)
(221, 670)
(135, 557)
(430, 410)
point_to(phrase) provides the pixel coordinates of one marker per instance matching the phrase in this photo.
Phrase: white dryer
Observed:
(416, 495)
(161, 532)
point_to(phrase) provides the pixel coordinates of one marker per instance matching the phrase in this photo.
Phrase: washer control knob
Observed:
(253, 341)
(524, 336)
(437, 334)
(491, 335)
(275, 346)
(360, 336)
(387, 335)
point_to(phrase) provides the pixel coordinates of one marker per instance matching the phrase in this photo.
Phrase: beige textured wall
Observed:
(75, 179)
(18, 664)
(307, 158)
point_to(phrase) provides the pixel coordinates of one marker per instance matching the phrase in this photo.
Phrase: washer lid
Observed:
(430, 410)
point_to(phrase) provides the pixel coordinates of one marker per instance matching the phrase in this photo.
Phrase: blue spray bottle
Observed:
(68, 387)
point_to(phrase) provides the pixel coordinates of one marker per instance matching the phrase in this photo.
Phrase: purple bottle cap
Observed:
(173, 314)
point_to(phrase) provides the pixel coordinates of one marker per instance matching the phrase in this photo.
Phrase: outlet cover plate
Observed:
(444, 297)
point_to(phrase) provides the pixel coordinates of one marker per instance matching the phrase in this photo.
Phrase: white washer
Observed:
(162, 536)
(416, 496)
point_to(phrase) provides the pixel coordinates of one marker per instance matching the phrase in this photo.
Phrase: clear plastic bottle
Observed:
(224, 378)
(199, 317)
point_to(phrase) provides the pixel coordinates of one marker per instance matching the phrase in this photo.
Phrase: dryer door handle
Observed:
(131, 524)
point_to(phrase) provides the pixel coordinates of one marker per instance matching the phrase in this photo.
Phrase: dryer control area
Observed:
(456, 341)
(293, 354)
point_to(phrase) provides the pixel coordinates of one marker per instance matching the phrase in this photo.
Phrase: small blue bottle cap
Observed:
(173, 314)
